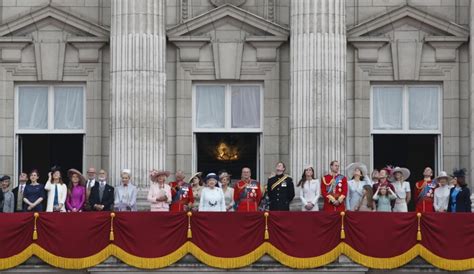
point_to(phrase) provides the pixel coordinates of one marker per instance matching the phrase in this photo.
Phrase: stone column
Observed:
(470, 175)
(137, 99)
(318, 84)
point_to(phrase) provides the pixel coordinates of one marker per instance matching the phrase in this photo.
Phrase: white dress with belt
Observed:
(212, 199)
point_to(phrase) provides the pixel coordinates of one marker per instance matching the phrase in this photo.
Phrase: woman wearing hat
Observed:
(57, 191)
(76, 193)
(228, 191)
(355, 187)
(441, 193)
(159, 194)
(197, 186)
(212, 197)
(310, 190)
(460, 195)
(125, 194)
(424, 192)
(402, 189)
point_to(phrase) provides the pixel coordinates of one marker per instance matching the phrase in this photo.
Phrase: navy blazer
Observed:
(463, 200)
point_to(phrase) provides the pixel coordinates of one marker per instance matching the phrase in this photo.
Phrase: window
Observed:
(42, 108)
(227, 107)
(408, 108)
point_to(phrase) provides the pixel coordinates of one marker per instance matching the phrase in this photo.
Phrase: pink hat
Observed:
(157, 173)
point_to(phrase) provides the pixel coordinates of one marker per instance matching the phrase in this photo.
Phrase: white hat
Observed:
(442, 175)
(352, 167)
(405, 172)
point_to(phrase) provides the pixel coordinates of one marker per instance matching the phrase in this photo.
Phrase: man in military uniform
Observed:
(247, 193)
(334, 189)
(181, 193)
(280, 189)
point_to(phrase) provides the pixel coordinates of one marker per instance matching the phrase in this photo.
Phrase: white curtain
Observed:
(245, 106)
(33, 108)
(424, 108)
(68, 108)
(387, 107)
(210, 106)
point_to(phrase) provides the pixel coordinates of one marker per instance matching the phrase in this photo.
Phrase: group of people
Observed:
(386, 190)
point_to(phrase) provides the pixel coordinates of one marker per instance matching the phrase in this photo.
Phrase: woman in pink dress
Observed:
(159, 194)
(76, 193)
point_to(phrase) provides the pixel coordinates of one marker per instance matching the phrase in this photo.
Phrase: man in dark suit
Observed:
(18, 191)
(462, 202)
(102, 194)
(280, 189)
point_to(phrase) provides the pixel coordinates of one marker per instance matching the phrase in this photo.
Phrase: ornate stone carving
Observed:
(230, 2)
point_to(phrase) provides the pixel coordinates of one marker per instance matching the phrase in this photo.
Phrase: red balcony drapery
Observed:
(230, 240)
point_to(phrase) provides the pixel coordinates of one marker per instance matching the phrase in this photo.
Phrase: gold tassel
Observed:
(112, 236)
(190, 233)
(343, 233)
(418, 234)
(267, 235)
(35, 232)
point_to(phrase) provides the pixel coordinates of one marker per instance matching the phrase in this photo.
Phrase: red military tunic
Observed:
(334, 192)
(182, 196)
(424, 195)
(247, 195)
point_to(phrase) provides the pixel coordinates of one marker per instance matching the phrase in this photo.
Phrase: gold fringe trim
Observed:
(380, 263)
(72, 263)
(302, 263)
(150, 263)
(446, 264)
(227, 263)
(18, 259)
(237, 262)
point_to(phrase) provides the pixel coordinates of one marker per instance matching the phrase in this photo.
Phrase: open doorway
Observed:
(414, 152)
(42, 151)
(228, 151)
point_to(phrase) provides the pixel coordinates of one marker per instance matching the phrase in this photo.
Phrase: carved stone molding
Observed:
(368, 47)
(445, 46)
(236, 3)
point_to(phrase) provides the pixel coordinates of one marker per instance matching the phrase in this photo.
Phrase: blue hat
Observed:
(211, 176)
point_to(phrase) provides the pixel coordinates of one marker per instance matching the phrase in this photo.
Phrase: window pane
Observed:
(245, 106)
(424, 108)
(387, 108)
(210, 106)
(68, 108)
(33, 108)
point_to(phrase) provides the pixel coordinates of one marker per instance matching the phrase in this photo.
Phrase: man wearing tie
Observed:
(18, 192)
(91, 175)
(102, 195)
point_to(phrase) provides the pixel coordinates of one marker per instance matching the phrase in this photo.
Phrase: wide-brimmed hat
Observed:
(157, 173)
(211, 176)
(442, 175)
(72, 171)
(404, 171)
(197, 174)
(352, 167)
(224, 174)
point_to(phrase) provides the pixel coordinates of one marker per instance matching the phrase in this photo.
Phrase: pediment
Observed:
(228, 18)
(50, 19)
(406, 18)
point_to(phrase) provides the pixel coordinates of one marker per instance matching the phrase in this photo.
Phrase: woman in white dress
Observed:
(212, 197)
(402, 189)
(441, 193)
(228, 191)
(310, 190)
(355, 186)
(57, 191)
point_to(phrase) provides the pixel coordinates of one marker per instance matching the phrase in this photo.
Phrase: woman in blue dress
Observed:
(34, 194)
